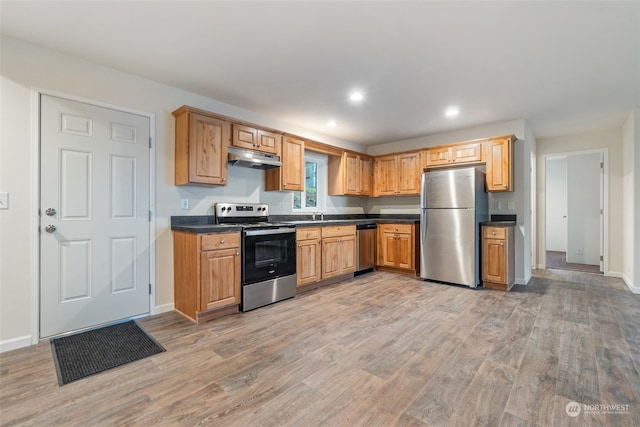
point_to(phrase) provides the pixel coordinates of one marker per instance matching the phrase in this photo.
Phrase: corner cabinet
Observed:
(397, 174)
(255, 139)
(201, 144)
(338, 250)
(206, 274)
(350, 174)
(499, 164)
(397, 247)
(498, 257)
(289, 176)
(308, 255)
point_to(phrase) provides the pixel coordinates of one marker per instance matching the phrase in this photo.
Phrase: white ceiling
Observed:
(565, 67)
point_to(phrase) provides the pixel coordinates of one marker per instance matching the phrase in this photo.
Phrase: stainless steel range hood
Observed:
(253, 159)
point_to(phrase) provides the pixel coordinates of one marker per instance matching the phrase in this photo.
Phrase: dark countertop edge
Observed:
(206, 228)
(499, 223)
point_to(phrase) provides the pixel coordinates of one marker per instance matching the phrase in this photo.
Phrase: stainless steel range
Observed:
(268, 253)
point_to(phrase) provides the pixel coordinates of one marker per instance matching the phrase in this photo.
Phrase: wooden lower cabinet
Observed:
(338, 250)
(308, 255)
(397, 247)
(498, 257)
(206, 273)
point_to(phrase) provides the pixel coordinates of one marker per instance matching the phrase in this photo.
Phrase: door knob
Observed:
(50, 212)
(50, 228)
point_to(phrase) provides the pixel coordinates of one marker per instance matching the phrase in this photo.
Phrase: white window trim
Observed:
(323, 164)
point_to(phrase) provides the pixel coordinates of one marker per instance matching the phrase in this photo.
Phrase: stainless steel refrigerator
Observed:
(453, 204)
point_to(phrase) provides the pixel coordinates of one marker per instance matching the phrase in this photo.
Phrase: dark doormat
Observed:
(87, 353)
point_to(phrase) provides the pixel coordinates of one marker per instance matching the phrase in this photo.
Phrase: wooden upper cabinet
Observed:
(499, 164)
(350, 174)
(397, 174)
(255, 139)
(452, 154)
(201, 145)
(290, 176)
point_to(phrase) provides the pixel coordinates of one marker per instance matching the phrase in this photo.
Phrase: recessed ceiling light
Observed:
(356, 96)
(452, 112)
(332, 123)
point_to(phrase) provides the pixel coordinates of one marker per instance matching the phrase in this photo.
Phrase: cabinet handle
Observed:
(299, 245)
(493, 232)
(222, 241)
(223, 179)
(501, 244)
(237, 253)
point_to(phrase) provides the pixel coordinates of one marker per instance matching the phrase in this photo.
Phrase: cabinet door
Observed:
(208, 145)
(437, 156)
(308, 262)
(268, 142)
(404, 251)
(493, 260)
(366, 176)
(499, 166)
(351, 164)
(387, 248)
(384, 176)
(330, 257)
(347, 255)
(408, 173)
(292, 169)
(220, 279)
(464, 153)
(244, 137)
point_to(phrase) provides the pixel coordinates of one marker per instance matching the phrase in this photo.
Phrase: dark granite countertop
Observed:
(205, 224)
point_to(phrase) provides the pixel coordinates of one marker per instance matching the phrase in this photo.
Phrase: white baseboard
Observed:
(629, 283)
(15, 343)
(163, 308)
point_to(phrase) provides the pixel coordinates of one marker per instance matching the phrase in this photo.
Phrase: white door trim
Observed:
(604, 195)
(34, 234)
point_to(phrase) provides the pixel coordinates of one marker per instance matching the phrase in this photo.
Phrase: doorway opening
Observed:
(574, 212)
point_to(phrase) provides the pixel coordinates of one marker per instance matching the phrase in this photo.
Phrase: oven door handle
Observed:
(269, 231)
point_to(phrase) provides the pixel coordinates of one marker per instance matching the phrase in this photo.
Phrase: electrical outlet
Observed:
(184, 203)
(579, 251)
(511, 205)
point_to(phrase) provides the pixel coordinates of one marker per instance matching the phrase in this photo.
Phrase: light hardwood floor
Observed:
(377, 350)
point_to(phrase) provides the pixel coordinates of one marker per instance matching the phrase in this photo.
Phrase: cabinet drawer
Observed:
(395, 228)
(339, 230)
(494, 232)
(308, 233)
(216, 241)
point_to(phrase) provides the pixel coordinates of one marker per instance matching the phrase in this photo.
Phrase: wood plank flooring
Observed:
(376, 350)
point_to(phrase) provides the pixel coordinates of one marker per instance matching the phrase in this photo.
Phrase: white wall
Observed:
(631, 201)
(521, 196)
(556, 212)
(583, 208)
(26, 68)
(610, 140)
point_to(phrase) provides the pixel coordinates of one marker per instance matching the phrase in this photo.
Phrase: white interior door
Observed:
(94, 203)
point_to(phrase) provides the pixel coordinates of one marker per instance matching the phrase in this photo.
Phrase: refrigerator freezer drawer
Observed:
(449, 244)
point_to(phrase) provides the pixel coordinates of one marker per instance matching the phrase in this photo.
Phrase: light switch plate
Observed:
(184, 203)
(4, 200)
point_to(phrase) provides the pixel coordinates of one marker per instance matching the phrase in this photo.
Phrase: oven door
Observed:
(267, 254)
